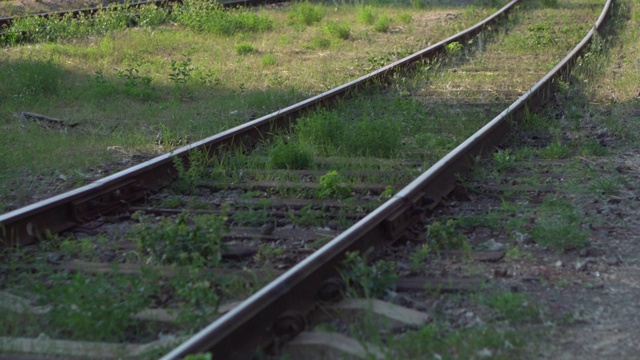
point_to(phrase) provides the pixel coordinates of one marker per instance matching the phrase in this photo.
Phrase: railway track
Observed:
(271, 231)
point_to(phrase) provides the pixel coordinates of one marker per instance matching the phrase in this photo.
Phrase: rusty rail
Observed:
(277, 312)
(23, 226)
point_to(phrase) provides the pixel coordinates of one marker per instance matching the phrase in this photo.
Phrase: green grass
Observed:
(132, 97)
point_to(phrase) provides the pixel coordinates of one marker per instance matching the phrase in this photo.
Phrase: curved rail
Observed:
(274, 312)
(62, 212)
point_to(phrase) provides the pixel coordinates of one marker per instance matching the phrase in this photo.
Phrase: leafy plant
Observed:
(245, 49)
(331, 186)
(367, 280)
(555, 150)
(445, 235)
(178, 241)
(453, 48)
(366, 15)
(504, 160)
(291, 155)
(419, 256)
(513, 307)
(383, 23)
(305, 14)
(190, 174)
(181, 71)
(338, 30)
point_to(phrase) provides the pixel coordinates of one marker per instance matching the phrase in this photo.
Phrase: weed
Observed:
(97, 306)
(291, 155)
(331, 186)
(367, 280)
(593, 148)
(181, 71)
(212, 18)
(307, 217)
(453, 48)
(322, 129)
(196, 293)
(513, 307)
(445, 235)
(245, 49)
(418, 257)
(366, 15)
(559, 225)
(135, 85)
(388, 193)
(383, 23)
(555, 150)
(305, 14)
(176, 241)
(191, 173)
(380, 137)
(268, 60)
(338, 30)
(266, 253)
(504, 160)
(256, 216)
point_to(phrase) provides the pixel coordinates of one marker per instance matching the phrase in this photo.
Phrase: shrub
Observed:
(291, 155)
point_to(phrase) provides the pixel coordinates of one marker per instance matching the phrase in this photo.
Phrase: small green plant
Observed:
(199, 356)
(322, 129)
(245, 49)
(189, 175)
(504, 160)
(513, 307)
(198, 295)
(558, 225)
(555, 150)
(181, 71)
(338, 30)
(388, 193)
(383, 23)
(453, 48)
(97, 307)
(366, 15)
(136, 85)
(268, 60)
(257, 216)
(331, 186)
(291, 155)
(445, 235)
(418, 257)
(367, 280)
(267, 253)
(307, 217)
(305, 14)
(181, 241)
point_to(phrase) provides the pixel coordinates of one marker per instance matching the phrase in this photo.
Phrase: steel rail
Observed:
(76, 12)
(62, 212)
(277, 312)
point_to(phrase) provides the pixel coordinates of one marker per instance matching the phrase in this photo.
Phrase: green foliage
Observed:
(205, 16)
(55, 28)
(178, 241)
(96, 307)
(453, 48)
(305, 14)
(380, 137)
(338, 30)
(256, 216)
(367, 280)
(418, 257)
(101, 86)
(383, 23)
(181, 71)
(445, 235)
(245, 49)
(189, 175)
(268, 60)
(366, 15)
(135, 85)
(331, 186)
(322, 129)
(513, 307)
(317, 43)
(558, 225)
(199, 356)
(504, 160)
(447, 343)
(29, 78)
(197, 293)
(291, 155)
(307, 217)
(555, 150)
